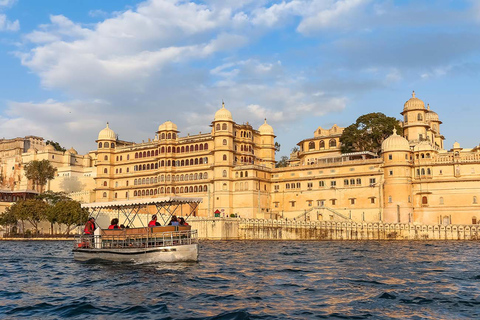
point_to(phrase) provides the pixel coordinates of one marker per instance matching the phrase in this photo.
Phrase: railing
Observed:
(122, 240)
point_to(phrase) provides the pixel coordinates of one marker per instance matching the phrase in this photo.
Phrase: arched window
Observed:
(224, 173)
(205, 146)
(148, 153)
(155, 191)
(205, 188)
(169, 163)
(99, 145)
(475, 200)
(162, 163)
(174, 136)
(178, 149)
(200, 147)
(168, 190)
(148, 166)
(169, 136)
(224, 126)
(440, 200)
(105, 170)
(182, 149)
(163, 135)
(147, 192)
(104, 194)
(423, 171)
(205, 175)
(190, 189)
(156, 165)
(424, 200)
(169, 149)
(162, 190)
(104, 183)
(134, 193)
(246, 174)
(162, 150)
(322, 144)
(389, 199)
(191, 177)
(144, 167)
(419, 117)
(195, 189)
(428, 171)
(187, 149)
(205, 160)
(196, 147)
(332, 143)
(217, 127)
(474, 220)
(181, 189)
(156, 152)
(105, 158)
(224, 157)
(196, 160)
(112, 145)
(195, 176)
(311, 145)
(162, 178)
(224, 142)
(105, 145)
(191, 162)
(144, 154)
(200, 189)
(200, 161)
(135, 182)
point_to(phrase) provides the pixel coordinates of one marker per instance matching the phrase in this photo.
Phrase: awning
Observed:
(144, 201)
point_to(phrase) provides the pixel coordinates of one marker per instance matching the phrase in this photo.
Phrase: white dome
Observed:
(223, 114)
(265, 128)
(395, 143)
(107, 134)
(167, 126)
(414, 103)
(424, 146)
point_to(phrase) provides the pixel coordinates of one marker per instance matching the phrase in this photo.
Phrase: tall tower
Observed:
(223, 155)
(415, 124)
(106, 141)
(267, 145)
(397, 185)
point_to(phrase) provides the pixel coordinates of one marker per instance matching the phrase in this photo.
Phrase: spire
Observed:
(413, 94)
(428, 106)
(265, 120)
(223, 104)
(394, 131)
(107, 124)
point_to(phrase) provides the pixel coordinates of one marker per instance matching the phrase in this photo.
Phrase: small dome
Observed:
(395, 143)
(167, 126)
(72, 151)
(265, 128)
(431, 115)
(414, 103)
(424, 146)
(49, 147)
(223, 114)
(107, 134)
(456, 145)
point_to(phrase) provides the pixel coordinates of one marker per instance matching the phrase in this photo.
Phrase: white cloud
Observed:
(7, 25)
(7, 3)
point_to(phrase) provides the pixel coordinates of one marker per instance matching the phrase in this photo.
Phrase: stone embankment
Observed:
(258, 229)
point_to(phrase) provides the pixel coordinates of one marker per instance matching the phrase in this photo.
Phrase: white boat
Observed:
(144, 244)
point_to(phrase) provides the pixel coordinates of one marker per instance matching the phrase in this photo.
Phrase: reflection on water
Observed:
(248, 280)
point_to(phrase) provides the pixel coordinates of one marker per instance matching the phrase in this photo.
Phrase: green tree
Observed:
(40, 172)
(283, 162)
(8, 218)
(368, 133)
(70, 213)
(277, 147)
(52, 198)
(56, 145)
(31, 210)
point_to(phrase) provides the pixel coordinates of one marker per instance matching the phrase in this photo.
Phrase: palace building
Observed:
(414, 179)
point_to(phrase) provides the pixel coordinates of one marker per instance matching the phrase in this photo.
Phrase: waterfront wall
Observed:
(258, 229)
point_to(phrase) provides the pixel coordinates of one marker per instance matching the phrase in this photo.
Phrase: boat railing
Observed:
(128, 238)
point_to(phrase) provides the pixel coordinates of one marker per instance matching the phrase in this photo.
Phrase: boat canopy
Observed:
(141, 202)
(166, 207)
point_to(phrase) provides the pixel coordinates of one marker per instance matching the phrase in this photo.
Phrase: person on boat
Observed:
(182, 222)
(114, 224)
(122, 226)
(154, 222)
(89, 226)
(174, 221)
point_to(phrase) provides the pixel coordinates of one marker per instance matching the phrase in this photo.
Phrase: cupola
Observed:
(223, 114)
(107, 134)
(265, 128)
(414, 104)
(395, 143)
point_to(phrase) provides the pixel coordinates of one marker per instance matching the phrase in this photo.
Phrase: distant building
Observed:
(232, 167)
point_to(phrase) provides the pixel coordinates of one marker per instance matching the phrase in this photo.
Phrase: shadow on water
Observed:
(248, 280)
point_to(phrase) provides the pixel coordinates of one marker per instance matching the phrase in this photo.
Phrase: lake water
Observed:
(248, 280)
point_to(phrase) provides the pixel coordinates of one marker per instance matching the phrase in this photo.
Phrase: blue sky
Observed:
(68, 67)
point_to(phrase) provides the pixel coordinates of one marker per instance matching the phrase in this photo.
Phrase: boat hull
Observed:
(140, 255)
